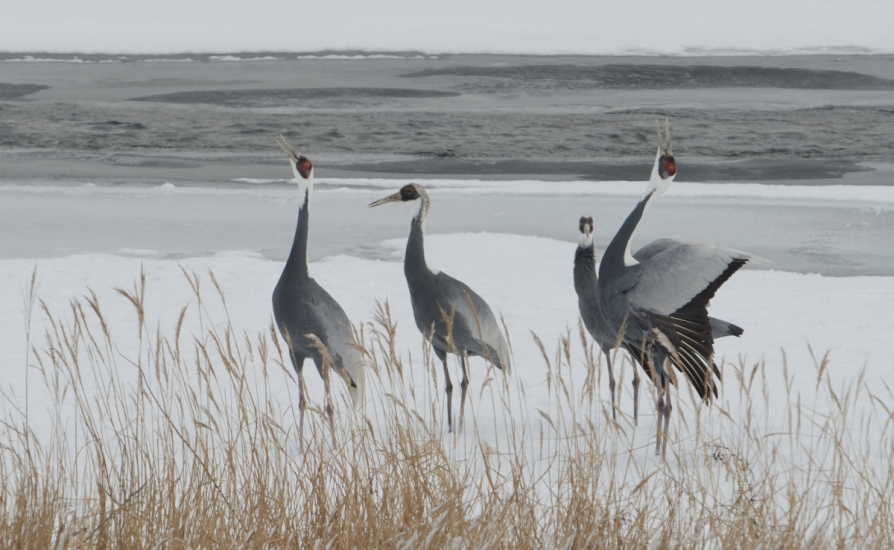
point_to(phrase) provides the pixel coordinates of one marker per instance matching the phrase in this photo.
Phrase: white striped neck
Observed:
(305, 185)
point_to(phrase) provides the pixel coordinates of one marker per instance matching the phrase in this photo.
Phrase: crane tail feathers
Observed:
(690, 332)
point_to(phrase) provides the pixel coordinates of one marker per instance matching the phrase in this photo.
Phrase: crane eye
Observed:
(667, 167)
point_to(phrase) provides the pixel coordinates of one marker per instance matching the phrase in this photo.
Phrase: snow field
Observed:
(527, 280)
(800, 426)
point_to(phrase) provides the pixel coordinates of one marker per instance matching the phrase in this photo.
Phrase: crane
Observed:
(307, 316)
(657, 308)
(447, 312)
(586, 284)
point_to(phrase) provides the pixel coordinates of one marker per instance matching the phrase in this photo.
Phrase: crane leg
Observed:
(302, 403)
(668, 407)
(463, 385)
(329, 412)
(448, 386)
(611, 385)
(635, 396)
(660, 415)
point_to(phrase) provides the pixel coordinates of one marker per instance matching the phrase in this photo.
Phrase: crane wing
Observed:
(653, 248)
(672, 278)
(719, 327)
(339, 340)
(474, 317)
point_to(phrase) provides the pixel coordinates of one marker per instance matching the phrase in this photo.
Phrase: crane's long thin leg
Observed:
(660, 415)
(302, 403)
(448, 386)
(329, 411)
(635, 396)
(668, 407)
(463, 385)
(611, 385)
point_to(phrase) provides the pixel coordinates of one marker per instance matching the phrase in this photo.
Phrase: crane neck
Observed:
(585, 280)
(415, 265)
(296, 265)
(617, 255)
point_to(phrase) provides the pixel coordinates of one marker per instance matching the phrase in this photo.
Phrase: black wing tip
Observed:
(735, 330)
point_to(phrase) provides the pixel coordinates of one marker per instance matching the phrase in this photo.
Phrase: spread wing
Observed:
(653, 248)
(719, 327)
(673, 288)
(672, 278)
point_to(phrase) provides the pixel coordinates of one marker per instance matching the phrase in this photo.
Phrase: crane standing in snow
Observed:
(303, 309)
(657, 308)
(447, 311)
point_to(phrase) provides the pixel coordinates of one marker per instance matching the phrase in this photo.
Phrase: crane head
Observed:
(586, 230)
(407, 193)
(301, 165)
(665, 165)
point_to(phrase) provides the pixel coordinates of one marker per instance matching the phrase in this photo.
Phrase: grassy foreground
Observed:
(183, 440)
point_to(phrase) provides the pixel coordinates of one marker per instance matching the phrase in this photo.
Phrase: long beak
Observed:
(287, 148)
(390, 198)
(667, 134)
(660, 138)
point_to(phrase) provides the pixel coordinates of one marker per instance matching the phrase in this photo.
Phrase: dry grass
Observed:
(180, 440)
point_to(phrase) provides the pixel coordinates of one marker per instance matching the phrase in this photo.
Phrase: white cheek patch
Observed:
(586, 239)
(305, 186)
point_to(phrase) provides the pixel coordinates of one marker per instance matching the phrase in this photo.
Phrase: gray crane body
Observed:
(302, 307)
(432, 294)
(663, 300)
(447, 311)
(658, 307)
(586, 285)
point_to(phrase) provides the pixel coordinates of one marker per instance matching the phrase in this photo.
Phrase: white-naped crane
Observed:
(586, 285)
(307, 316)
(657, 308)
(448, 313)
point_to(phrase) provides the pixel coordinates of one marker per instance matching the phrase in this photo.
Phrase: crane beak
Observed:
(390, 198)
(661, 146)
(665, 150)
(667, 135)
(287, 148)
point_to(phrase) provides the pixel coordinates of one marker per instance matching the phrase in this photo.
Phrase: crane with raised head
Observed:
(586, 285)
(307, 316)
(657, 308)
(448, 313)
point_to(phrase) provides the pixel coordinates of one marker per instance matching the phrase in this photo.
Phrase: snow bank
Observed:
(526, 279)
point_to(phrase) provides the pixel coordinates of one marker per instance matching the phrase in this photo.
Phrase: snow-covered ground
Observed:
(526, 279)
(645, 27)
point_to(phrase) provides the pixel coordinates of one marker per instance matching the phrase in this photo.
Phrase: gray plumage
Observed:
(302, 307)
(719, 328)
(446, 310)
(586, 285)
(658, 307)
